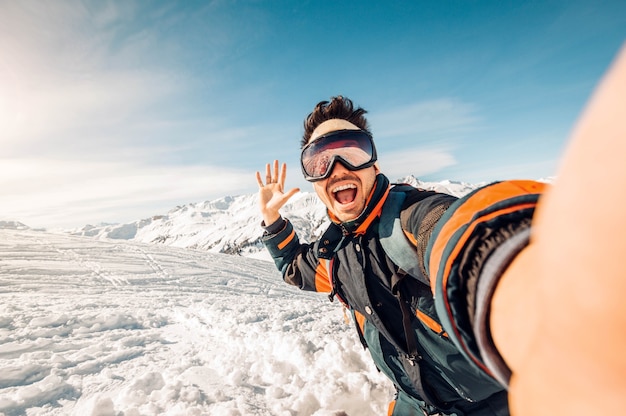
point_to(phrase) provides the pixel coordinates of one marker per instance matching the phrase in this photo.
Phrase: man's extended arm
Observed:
(297, 262)
(559, 313)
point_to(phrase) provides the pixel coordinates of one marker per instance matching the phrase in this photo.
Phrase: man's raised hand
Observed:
(272, 194)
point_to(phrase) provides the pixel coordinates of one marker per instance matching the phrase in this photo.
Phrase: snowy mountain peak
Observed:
(12, 225)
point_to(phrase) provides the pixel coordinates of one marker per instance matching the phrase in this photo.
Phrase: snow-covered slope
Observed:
(105, 328)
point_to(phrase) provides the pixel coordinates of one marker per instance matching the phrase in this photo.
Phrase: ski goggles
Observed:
(353, 148)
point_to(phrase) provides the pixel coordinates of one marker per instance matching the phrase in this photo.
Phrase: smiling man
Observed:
(381, 271)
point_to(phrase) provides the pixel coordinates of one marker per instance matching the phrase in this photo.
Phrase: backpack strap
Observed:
(404, 255)
(395, 243)
(411, 339)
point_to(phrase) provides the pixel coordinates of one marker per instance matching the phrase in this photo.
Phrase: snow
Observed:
(117, 327)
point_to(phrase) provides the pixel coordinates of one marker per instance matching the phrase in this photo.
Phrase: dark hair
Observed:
(338, 107)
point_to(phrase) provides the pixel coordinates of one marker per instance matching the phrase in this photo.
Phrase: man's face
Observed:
(344, 192)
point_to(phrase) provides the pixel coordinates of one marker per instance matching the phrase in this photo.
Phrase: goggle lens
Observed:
(353, 148)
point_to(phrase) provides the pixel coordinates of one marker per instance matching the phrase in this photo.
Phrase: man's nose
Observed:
(339, 169)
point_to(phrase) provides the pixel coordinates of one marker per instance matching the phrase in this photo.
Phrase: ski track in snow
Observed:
(109, 328)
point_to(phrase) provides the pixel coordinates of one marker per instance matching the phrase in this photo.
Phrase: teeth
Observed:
(342, 187)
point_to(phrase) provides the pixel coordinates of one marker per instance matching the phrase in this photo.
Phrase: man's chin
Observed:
(347, 212)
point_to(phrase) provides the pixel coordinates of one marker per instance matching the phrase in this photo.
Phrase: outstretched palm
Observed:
(272, 194)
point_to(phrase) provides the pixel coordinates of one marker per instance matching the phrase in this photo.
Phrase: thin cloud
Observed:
(495, 170)
(417, 162)
(71, 193)
(61, 79)
(420, 138)
(440, 117)
(61, 109)
(93, 72)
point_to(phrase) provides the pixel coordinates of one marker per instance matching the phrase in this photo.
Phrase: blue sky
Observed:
(116, 111)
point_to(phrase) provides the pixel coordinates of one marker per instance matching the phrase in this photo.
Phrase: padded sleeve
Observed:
(297, 262)
(470, 248)
(420, 219)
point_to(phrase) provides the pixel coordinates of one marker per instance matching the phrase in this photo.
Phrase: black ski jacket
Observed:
(350, 264)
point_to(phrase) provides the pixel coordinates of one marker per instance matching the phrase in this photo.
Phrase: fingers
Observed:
(273, 175)
(269, 177)
(282, 175)
(268, 174)
(292, 192)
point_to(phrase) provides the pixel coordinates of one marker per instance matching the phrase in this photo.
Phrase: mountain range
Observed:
(231, 224)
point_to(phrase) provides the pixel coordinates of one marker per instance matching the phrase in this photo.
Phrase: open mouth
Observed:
(345, 194)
